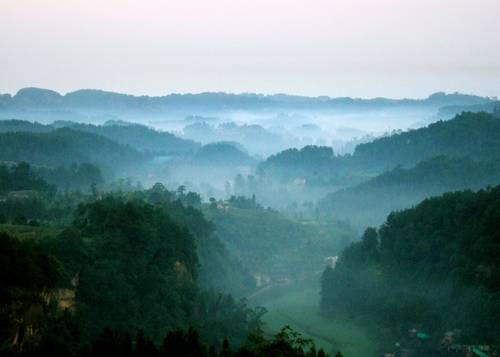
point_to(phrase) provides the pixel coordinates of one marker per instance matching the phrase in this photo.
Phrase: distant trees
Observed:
(20, 177)
(73, 177)
(63, 147)
(317, 163)
(370, 202)
(473, 135)
(222, 154)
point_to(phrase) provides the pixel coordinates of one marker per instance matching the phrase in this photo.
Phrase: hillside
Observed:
(309, 162)
(14, 125)
(138, 136)
(269, 244)
(452, 110)
(433, 268)
(222, 154)
(476, 135)
(370, 202)
(65, 147)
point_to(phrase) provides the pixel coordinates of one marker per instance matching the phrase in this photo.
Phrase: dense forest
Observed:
(249, 178)
(140, 137)
(370, 202)
(266, 242)
(432, 268)
(313, 172)
(105, 268)
(128, 240)
(65, 147)
(473, 135)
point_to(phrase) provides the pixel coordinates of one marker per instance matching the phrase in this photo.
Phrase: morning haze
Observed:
(249, 178)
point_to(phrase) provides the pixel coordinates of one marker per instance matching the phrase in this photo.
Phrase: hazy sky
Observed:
(359, 48)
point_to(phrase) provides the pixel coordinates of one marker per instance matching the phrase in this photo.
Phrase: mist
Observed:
(249, 179)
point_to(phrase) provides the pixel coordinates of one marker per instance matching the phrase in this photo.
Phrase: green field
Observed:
(29, 232)
(297, 306)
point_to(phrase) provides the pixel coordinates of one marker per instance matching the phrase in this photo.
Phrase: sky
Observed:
(358, 48)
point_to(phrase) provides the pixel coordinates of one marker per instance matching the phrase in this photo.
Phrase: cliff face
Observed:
(29, 320)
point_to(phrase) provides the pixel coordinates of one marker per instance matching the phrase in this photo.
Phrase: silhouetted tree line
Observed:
(182, 343)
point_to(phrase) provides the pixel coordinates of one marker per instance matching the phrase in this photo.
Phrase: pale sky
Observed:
(360, 48)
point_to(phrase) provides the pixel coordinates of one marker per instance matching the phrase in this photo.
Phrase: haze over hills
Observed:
(90, 99)
(312, 171)
(214, 217)
(251, 198)
(220, 178)
(140, 137)
(369, 203)
(264, 124)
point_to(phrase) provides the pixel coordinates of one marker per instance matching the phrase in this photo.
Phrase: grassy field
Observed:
(297, 306)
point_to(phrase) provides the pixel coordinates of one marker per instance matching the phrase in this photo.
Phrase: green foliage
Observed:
(27, 278)
(370, 202)
(21, 177)
(139, 137)
(132, 265)
(434, 266)
(65, 147)
(267, 242)
(25, 198)
(79, 177)
(221, 154)
(473, 135)
(218, 269)
(317, 164)
(187, 343)
(143, 264)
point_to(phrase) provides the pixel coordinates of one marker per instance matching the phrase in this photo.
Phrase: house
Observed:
(223, 206)
(21, 195)
(331, 261)
(261, 279)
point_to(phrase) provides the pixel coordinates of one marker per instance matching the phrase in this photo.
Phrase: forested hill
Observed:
(433, 268)
(370, 202)
(137, 262)
(138, 136)
(14, 125)
(222, 154)
(66, 146)
(452, 110)
(141, 137)
(310, 161)
(476, 135)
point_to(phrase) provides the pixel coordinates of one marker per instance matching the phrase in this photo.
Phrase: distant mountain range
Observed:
(37, 98)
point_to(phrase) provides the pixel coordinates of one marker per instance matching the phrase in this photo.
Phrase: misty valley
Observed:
(249, 225)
